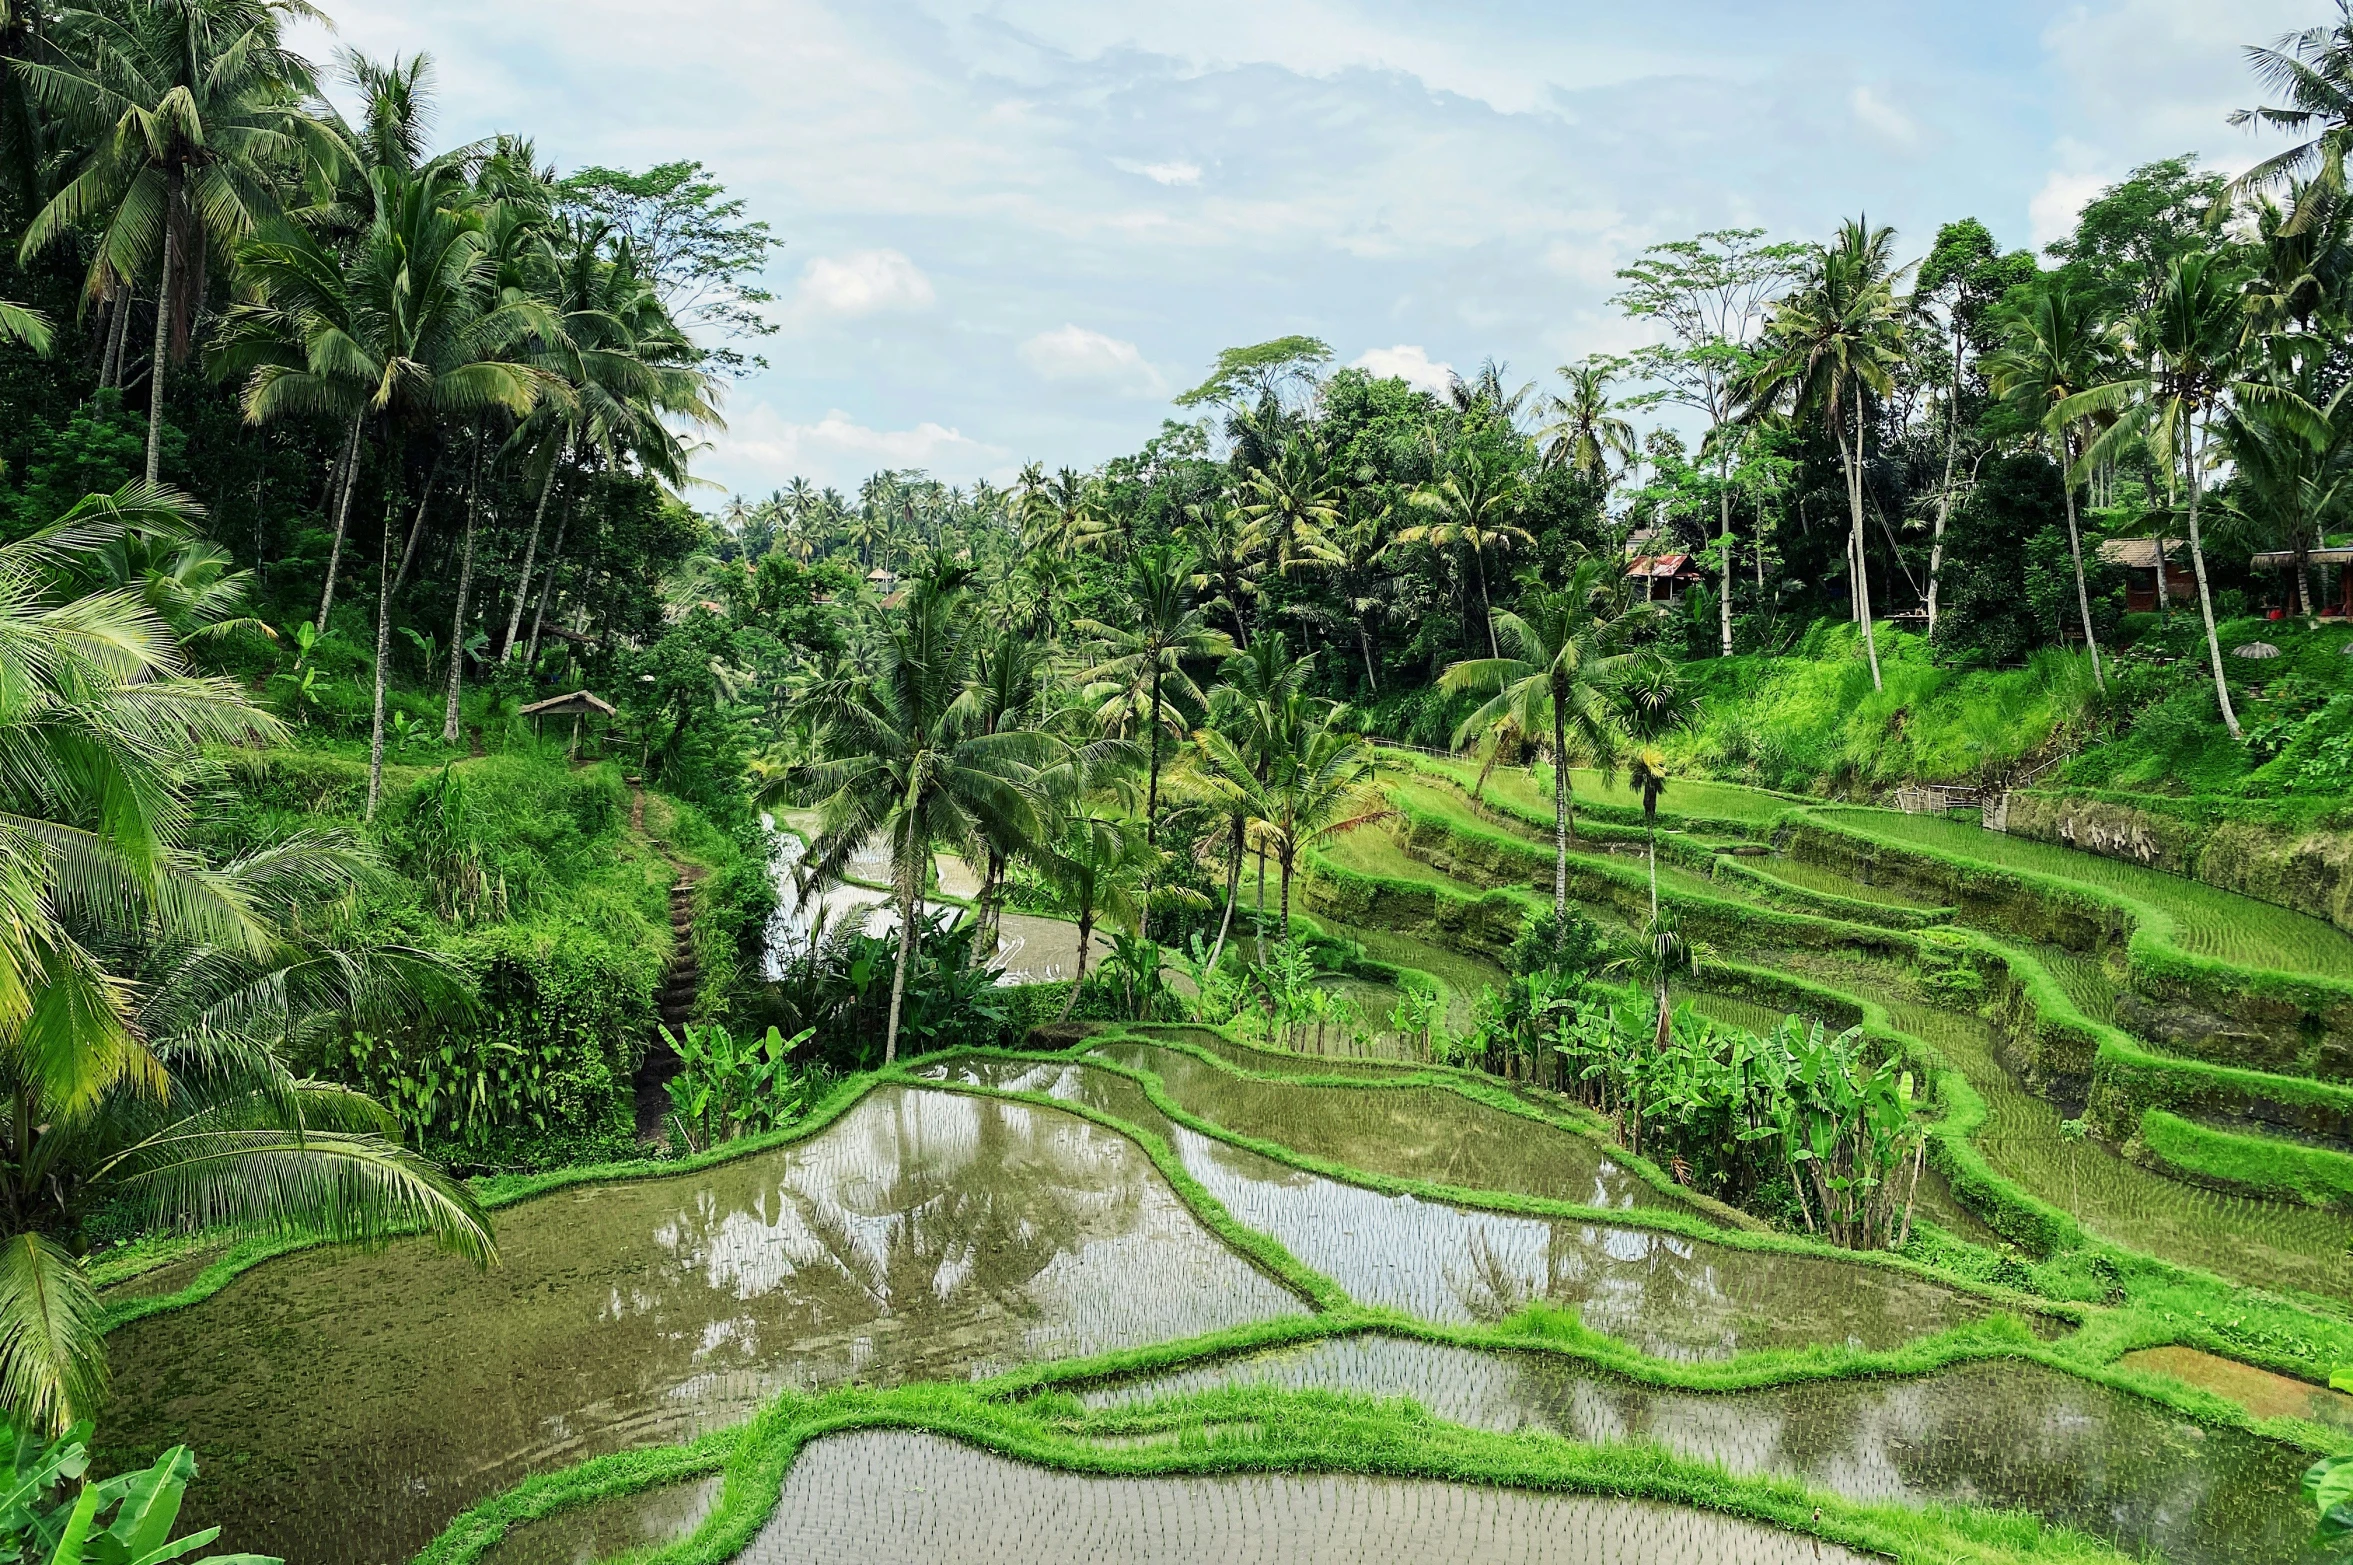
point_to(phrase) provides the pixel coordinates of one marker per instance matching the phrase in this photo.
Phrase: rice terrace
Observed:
(772, 792)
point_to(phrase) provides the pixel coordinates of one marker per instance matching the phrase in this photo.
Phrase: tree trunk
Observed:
(457, 624)
(408, 550)
(1944, 499)
(910, 879)
(506, 646)
(349, 476)
(1233, 889)
(1285, 864)
(111, 373)
(1560, 803)
(383, 629)
(1152, 786)
(2192, 455)
(1364, 643)
(1724, 507)
(1854, 494)
(1486, 609)
(163, 328)
(1262, 901)
(2083, 594)
(555, 559)
(1086, 938)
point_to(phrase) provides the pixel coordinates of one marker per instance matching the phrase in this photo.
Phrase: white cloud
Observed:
(2158, 76)
(1408, 362)
(863, 282)
(1884, 117)
(1176, 171)
(1073, 353)
(761, 449)
(2051, 214)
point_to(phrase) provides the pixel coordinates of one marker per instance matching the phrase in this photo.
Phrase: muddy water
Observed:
(2006, 1434)
(599, 1531)
(1408, 1132)
(1667, 1295)
(889, 1498)
(347, 1404)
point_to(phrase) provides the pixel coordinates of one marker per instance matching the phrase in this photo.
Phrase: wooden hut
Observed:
(2330, 584)
(577, 706)
(2139, 560)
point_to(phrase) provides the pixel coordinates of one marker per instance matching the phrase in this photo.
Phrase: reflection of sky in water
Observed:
(2006, 1434)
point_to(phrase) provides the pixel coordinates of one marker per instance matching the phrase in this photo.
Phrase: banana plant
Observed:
(124, 1520)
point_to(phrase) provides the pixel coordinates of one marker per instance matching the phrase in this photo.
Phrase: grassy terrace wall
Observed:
(2292, 853)
(2039, 1032)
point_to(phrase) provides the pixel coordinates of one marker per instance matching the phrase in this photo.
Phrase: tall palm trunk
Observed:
(1233, 890)
(1364, 644)
(1944, 498)
(457, 625)
(910, 909)
(2193, 455)
(383, 629)
(172, 199)
(1086, 938)
(2083, 592)
(1854, 499)
(1560, 801)
(547, 588)
(1285, 860)
(1486, 609)
(506, 647)
(347, 476)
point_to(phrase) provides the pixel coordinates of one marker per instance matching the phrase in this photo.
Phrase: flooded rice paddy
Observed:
(1665, 1294)
(596, 1532)
(886, 1498)
(347, 1404)
(2007, 1434)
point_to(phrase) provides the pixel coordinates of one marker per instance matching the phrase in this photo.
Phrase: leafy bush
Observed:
(123, 1520)
(725, 1088)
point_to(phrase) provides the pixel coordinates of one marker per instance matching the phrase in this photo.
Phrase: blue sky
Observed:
(1015, 229)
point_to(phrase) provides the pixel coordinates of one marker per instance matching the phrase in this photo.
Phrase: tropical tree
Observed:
(1226, 565)
(190, 110)
(1092, 860)
(163, 1097)
(1318, 784)
(911, 761)
(408, 329)
(2313, 70)
(1587, 433)
(2184, 359)
(2288, 487)
(1291, 503)
(1565, 660)
(2053, 349)
(1711, 293)
(1837, 336)
(1471, 507)
(1142, 681)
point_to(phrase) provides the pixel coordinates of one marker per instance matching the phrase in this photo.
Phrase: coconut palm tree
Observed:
(2052, 349)
(190, 110)
(1471, 508)
(1143, 681)
(1318, 784)
(1586, 433)
(910, 761)
(1226, 559)
(1835, 339)
(2313, 71)
(1092, 861)
(408, 329)
(1567, 656)
(2289, 488)
(1291, 503)
(2184, 361)
(166, 1097)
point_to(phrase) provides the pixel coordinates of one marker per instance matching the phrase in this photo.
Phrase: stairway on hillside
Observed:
(674, 1005)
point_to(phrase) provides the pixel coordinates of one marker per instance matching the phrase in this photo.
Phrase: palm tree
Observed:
(1226, 548)
(1564, 663)
(1143, 680)
(2288, 488)
(1091, 860)
(1319, 784)
(139, 1095)
(2054, 348)
(2184, 358)
(2313, 70)
(407, 330)
(910, 761)
(190, 110)
(1257, 707)
(1471, 508)
(1059, 515)
(1586, 432)
(1291, 503)
(1836, 337)
(1357, 577)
